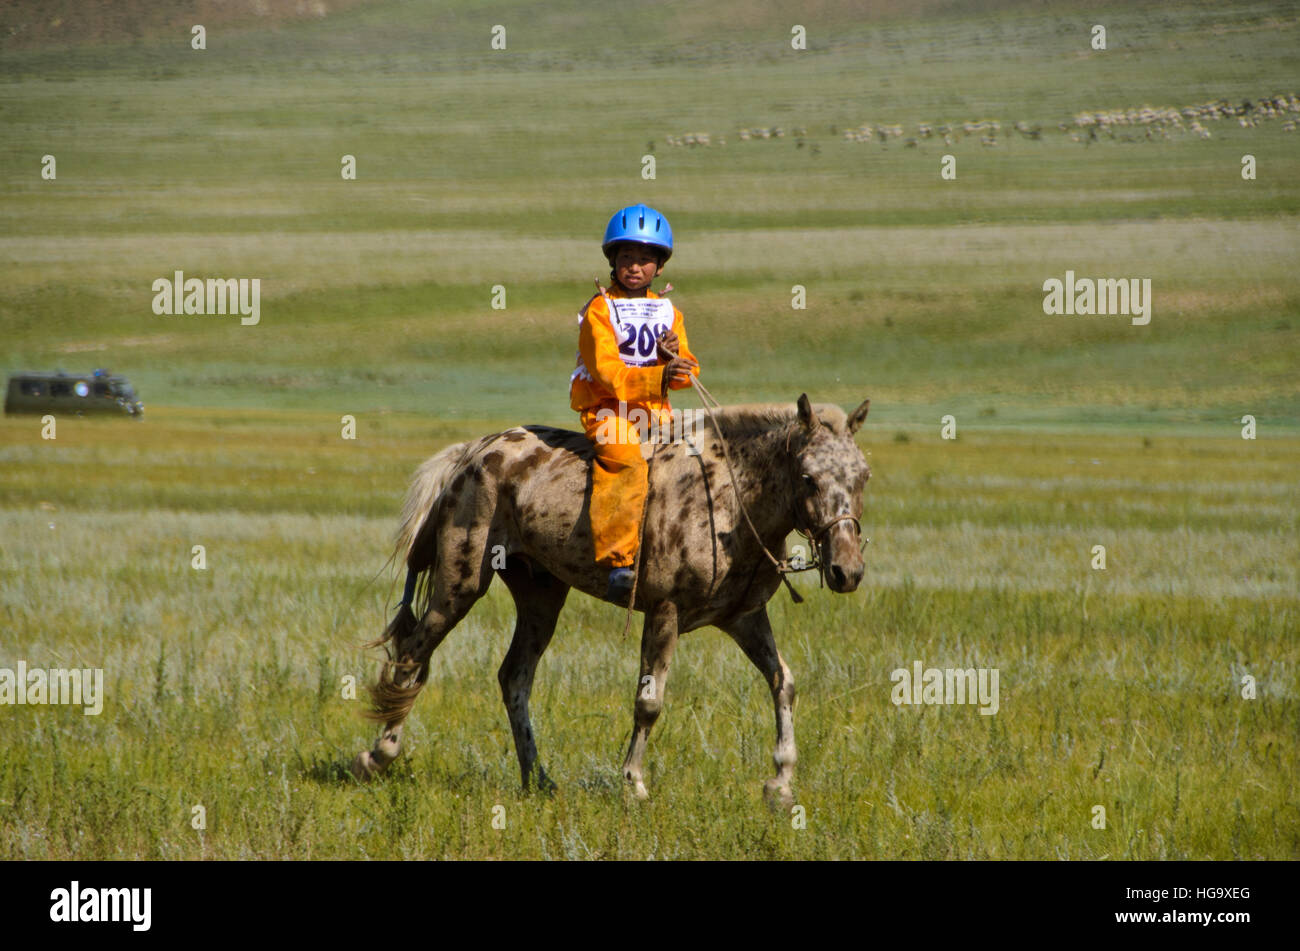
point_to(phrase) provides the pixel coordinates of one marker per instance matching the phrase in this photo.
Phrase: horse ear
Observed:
(806, 414)
(857, 416)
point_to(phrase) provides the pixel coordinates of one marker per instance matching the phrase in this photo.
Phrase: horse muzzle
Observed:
(843, 579)
(844, 565)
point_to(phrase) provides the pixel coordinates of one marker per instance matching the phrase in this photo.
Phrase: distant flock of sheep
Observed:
(1086, 127)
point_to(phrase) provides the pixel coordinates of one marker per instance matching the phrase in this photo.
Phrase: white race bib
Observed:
(638, 322)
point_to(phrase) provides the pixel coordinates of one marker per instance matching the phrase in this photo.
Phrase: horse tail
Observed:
(422, 498)
(428, 484)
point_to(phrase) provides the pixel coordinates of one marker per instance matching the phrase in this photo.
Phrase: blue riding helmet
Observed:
(639, 224)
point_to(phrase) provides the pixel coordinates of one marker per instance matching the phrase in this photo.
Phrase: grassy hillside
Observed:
(479, 167)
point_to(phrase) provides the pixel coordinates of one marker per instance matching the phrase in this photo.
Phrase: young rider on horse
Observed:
(623, 367)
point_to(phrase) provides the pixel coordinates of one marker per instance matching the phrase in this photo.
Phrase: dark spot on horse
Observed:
(464, 569)
(515, 435)
(520, 467)
(677, 535)
(492, 461)
(458, 483)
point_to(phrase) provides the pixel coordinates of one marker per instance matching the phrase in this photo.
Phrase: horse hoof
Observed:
(637, 789)
(778, 797)
(364, 767)
(540, 783)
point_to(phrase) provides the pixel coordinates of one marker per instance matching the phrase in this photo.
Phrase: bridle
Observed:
(786, 566)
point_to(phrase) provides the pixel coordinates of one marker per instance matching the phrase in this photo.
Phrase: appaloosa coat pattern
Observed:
(526, 490)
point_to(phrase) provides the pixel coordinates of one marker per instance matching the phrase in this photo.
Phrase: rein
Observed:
(784, 566)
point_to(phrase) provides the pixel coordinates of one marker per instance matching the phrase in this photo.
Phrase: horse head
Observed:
(828, 473)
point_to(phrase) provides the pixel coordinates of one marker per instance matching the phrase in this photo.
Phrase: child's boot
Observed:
(620, 585)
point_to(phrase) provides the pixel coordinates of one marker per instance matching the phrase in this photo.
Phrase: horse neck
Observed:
(765, 483)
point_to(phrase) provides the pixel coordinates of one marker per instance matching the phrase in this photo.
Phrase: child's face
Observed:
(635, 266)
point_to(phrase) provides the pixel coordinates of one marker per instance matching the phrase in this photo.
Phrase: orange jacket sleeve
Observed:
(598, 345)
(684, 349)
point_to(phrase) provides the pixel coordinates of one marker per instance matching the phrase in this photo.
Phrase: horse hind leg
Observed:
(539, 598)
(412, 644)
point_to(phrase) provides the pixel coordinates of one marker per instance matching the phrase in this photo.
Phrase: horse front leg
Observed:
(658, 641)
(753, 633)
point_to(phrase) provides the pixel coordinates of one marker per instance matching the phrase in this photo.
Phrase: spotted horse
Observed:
(527, 489)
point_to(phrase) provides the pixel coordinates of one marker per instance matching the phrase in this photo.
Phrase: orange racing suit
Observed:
(618, 374)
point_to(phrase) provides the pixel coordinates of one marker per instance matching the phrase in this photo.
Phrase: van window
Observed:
(101, 389)
(60, 389)
(32, 388)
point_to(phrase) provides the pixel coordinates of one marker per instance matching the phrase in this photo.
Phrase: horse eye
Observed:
(808, 481)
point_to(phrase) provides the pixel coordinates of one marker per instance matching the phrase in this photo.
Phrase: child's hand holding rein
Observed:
(678, 370)
(669, 345)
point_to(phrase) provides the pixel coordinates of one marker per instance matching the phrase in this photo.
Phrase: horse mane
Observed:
(750, 419)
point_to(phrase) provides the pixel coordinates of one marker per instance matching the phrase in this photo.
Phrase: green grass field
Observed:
(225, 686)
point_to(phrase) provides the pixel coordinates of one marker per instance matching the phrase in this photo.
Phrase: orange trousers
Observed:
(619, 479)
